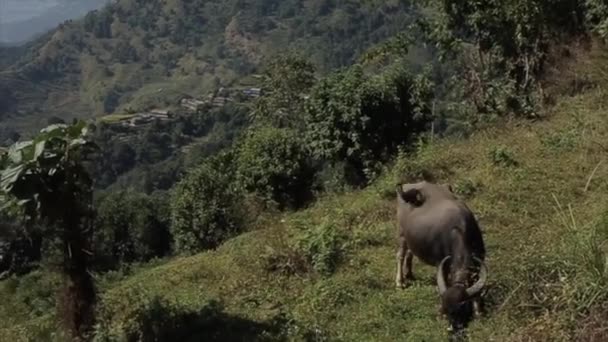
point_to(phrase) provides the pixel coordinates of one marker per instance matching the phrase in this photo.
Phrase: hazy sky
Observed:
(18, 10)
(22, 19)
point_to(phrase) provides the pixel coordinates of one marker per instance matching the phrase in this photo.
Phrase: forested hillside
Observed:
(135, 55)
(271, 216)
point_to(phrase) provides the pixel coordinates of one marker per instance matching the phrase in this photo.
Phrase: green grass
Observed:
(543, 218)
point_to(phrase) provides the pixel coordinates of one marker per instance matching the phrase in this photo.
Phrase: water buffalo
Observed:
(440, 230)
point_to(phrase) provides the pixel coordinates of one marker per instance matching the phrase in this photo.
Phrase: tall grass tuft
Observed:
(585, 258)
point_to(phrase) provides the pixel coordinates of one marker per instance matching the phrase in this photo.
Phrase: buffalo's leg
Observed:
(478, 306)
(409, 256)
(401, 252)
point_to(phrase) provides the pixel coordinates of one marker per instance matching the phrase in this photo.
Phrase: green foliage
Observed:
(323, 246)
(99, 23)
(43, 175)
(502, 156)
(597, 17)
(205, 206)
(333, 177)
(21, 249)
(398, 45)
(155, 157)
(45, 180)
(287, 81)
(125, 52)
(35, 292)
(363, 120)
(541, 288)
(585, 247)
(173, 45)
(274, 163)
(467, 188)
(562, 140)
(130, 227)
(497, 50)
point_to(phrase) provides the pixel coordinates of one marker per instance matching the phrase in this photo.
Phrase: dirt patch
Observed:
(593, 327)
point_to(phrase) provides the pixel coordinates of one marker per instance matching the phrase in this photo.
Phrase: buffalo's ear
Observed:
(412, 196)
(448, 187)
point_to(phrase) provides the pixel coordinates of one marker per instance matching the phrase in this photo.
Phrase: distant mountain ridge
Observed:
(23, 29)
(116, 58)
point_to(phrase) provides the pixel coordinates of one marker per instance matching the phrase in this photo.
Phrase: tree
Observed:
(274, 163)
(205, 206)
(597, 17)
(111, 99)
(287, 81)
(130, 226)
(363, 120)
(45, 181)
(501, 46)
(124, 52)
(122, 158)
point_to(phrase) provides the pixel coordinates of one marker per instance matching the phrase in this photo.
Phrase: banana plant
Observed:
(45, 181)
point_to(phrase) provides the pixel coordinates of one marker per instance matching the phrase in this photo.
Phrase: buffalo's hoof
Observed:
(400, 285)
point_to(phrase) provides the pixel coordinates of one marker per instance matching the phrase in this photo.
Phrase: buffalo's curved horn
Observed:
(481, 282)
(440, 275)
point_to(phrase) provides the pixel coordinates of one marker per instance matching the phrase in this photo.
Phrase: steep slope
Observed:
(135, 54)
(538, 190)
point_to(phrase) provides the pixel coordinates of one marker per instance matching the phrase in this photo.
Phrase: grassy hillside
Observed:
(538, 190)
(134, 55)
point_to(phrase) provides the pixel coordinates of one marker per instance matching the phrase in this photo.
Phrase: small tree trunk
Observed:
(77, 299)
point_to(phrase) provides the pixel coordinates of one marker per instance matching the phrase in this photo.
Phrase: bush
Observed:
(205, 206)
(323, 247)
(335, 177)
(130, 227)
(502, 156)
(597, 17)
(467, 188)
(273, 163)
(363, 120)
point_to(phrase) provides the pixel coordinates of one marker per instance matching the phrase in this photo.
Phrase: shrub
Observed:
(597, 17)
(287, 79)
(502, 156)
(563, 140)
(335, 177)
(205, 206)
(466, 188)
(273, 163)
(129, 227)
(323, 247)
(363, 120)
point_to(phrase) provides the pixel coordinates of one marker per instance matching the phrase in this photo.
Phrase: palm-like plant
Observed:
(45, 181)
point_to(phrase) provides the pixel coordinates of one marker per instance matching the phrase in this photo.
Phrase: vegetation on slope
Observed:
(546, 264)
(134, 55)
(276, 280)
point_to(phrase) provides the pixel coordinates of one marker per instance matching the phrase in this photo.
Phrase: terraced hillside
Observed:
(137, 55)
(538, 190)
